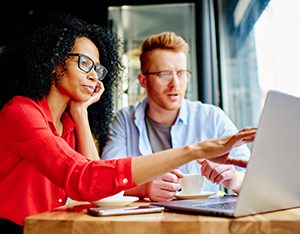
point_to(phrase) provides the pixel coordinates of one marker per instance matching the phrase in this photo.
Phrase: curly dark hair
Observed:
(26, 67)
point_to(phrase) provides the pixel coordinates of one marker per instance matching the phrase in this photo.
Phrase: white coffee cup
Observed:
(191, 183)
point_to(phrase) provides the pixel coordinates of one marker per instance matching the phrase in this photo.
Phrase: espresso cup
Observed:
(191, 183)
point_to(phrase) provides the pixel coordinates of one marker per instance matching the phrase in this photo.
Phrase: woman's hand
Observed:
(77, 107)
(78, 110)
(96, 95)
(173, 158)
(220, 147)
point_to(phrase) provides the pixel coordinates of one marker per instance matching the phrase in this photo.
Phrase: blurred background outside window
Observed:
(259, 47)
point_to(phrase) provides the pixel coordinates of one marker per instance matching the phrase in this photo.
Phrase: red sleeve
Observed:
(28, 134)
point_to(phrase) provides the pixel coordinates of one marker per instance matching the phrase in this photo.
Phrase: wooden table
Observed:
(73, 219)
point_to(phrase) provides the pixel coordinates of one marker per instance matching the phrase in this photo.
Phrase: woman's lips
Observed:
(89, 88)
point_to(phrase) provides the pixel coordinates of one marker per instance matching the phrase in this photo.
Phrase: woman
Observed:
(47, 147)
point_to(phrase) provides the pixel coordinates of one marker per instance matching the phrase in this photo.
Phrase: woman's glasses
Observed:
(86, 64)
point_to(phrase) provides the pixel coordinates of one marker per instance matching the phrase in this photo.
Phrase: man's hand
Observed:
(163, 188)
(224, 174)
(227, 160)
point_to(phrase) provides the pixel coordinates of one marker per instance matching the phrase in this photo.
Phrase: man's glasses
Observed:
(167, 76)
(86, 64)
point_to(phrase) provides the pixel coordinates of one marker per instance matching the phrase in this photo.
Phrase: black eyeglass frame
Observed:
(94, 66)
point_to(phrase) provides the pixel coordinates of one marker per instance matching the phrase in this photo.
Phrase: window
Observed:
(259, 45)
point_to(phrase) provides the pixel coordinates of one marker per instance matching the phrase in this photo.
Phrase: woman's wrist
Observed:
(194, 150)
(79, 114)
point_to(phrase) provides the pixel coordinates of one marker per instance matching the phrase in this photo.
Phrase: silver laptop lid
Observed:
(271, 181)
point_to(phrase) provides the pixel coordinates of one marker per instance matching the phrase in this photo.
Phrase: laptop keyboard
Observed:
(223, 205)
(228, 202)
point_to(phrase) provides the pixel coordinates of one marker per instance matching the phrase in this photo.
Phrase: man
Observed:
(165, 119)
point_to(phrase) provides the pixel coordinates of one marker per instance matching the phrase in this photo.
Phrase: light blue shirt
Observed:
(196, 122)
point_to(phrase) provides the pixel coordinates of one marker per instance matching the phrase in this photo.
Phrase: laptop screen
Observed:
(271, 180)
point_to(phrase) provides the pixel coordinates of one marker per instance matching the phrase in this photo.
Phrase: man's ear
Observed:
(142, 80)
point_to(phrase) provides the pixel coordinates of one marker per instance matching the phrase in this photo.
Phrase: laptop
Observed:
(273, 171)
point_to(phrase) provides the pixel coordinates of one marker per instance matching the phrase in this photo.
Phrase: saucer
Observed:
(120, 201)
(203, 194)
